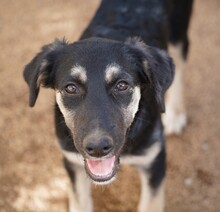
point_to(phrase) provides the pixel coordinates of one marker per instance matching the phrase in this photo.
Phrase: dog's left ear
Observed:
(157, 66)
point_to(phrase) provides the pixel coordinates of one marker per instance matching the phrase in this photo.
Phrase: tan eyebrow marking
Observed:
(80, 72)
(111, 70)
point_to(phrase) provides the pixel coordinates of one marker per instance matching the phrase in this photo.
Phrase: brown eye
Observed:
(71, 89)
(122, 86)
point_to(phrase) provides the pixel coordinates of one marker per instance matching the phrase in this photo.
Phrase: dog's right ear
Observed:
(39, 71)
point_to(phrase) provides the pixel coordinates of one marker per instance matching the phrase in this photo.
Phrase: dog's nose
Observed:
(98, 147)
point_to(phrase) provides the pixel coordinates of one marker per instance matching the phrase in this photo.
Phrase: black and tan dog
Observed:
(110, 90)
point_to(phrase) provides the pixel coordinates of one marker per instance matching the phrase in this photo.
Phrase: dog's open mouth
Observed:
(102, 170)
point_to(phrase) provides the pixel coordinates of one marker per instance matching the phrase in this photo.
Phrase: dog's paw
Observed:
(174, 123)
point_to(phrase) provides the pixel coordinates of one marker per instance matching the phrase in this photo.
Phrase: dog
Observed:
(109, 90)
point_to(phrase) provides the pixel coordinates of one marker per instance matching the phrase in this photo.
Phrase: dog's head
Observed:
(99, 85)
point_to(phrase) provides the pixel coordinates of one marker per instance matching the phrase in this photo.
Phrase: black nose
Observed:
(98, 147)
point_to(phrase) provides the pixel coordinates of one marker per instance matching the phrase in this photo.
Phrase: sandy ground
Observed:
(31, 174)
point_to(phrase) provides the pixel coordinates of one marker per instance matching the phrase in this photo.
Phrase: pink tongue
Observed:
(101, 167)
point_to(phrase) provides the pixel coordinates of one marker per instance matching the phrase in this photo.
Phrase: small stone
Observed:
(188, 182)
(205, 146)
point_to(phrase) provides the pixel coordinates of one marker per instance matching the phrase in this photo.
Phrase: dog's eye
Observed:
(121, 86)
(71, 89)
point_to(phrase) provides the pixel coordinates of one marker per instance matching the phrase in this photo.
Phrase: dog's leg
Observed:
(83, 190)
(73, 204)
(157, 203)
(145, 196)
(175, 118)
(150, 200)
(80, 199)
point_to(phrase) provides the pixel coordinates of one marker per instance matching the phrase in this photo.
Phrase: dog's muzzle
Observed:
(100, 161)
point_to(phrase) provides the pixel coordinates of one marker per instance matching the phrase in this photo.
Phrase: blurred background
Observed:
(32, 177)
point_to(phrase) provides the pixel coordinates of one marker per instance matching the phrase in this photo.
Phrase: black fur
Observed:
(180, 13)
(144, 63)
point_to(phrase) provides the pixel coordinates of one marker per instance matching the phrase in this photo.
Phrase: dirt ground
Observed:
(31, 174)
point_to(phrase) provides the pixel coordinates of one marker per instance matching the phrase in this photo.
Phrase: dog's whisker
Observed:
(143, 119)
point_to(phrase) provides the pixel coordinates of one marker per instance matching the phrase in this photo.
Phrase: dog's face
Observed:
(98, 85)
(98, 95)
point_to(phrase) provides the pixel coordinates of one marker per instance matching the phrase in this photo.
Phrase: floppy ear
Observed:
(157, 66)
(39, 70)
